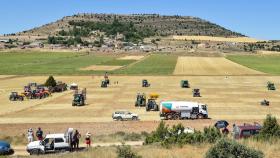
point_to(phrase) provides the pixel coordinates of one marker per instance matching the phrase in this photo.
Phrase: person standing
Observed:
(88, 140)
(30, 135)
(39, 134)
(76, 139)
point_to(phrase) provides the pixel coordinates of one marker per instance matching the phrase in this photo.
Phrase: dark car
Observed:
(5, 148)
(221, 124)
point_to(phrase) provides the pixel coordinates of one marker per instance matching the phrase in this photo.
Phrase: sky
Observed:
(254, 18)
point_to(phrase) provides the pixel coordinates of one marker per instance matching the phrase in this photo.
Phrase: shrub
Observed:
(50, 82)
(231, 149)
(125, 151)
(175, 135)
(270, 129)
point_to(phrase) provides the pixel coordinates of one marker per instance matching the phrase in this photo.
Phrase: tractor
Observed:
(79, 98)
(265, 102)
(151, 103)
(60, 87)
(14, 96)
(185, 84)
(196, 92)
(104, 84)
(140, 100)
(145, 83)
(270, 86)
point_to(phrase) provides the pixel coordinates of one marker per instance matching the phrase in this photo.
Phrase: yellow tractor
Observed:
(15, 96)
(152, 104)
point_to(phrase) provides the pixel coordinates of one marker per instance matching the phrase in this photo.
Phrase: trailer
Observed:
(175, 110)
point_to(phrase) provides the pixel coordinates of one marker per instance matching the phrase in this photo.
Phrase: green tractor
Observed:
(140, 100)
(145, 83)
(185, 84)
(270, 86)
(79, 98)
(104, 84)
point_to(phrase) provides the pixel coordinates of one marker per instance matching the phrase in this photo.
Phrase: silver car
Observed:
(124, 115)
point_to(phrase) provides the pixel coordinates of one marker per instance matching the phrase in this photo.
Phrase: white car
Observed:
(124, 115)
(52, 143)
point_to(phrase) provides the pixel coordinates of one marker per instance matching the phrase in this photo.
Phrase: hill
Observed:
(158, 25)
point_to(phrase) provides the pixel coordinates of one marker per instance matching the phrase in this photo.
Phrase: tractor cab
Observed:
(271, 86)
(140, 100)
(196, 93)
(185, 84)
(145, 83)
(79, 98)
(104, 84)
(151, 103)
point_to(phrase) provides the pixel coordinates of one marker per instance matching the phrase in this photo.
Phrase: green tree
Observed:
(270, 128)
(50, 82)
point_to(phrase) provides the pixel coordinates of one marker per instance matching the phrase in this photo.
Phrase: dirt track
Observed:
(210, 66)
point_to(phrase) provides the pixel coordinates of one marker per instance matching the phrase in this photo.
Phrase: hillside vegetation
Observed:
(154, 23)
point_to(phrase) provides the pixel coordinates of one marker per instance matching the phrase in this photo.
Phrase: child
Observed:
(88, 141)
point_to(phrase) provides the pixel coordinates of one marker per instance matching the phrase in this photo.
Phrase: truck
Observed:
(175, 110)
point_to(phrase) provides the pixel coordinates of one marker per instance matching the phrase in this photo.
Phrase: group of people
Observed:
(30, 134)
(74, 137)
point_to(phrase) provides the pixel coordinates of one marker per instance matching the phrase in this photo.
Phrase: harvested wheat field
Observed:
(100, 68)
(130, 57)
(231, 98)
(210, 66)
(217, 39)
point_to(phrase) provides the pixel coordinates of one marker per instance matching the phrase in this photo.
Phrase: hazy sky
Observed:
(255, 18)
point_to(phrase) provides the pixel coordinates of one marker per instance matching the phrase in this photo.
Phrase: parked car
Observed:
(51, 144)
(221, 124)
(5, 148)
(124, 115)
(246, 130)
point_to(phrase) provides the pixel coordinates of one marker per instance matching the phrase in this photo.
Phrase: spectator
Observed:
(76, 139)
(88, 140)
(39, 134)
(30, 135)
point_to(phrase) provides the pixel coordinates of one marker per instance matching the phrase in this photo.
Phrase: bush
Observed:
(50, 82)
(231, 149)
(270, 129)
(125, 151)
(167, 136)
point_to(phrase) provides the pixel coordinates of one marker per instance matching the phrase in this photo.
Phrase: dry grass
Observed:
(217, 39)
(210, 66)
(156, 151)
(130, 57)
(271, 150)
